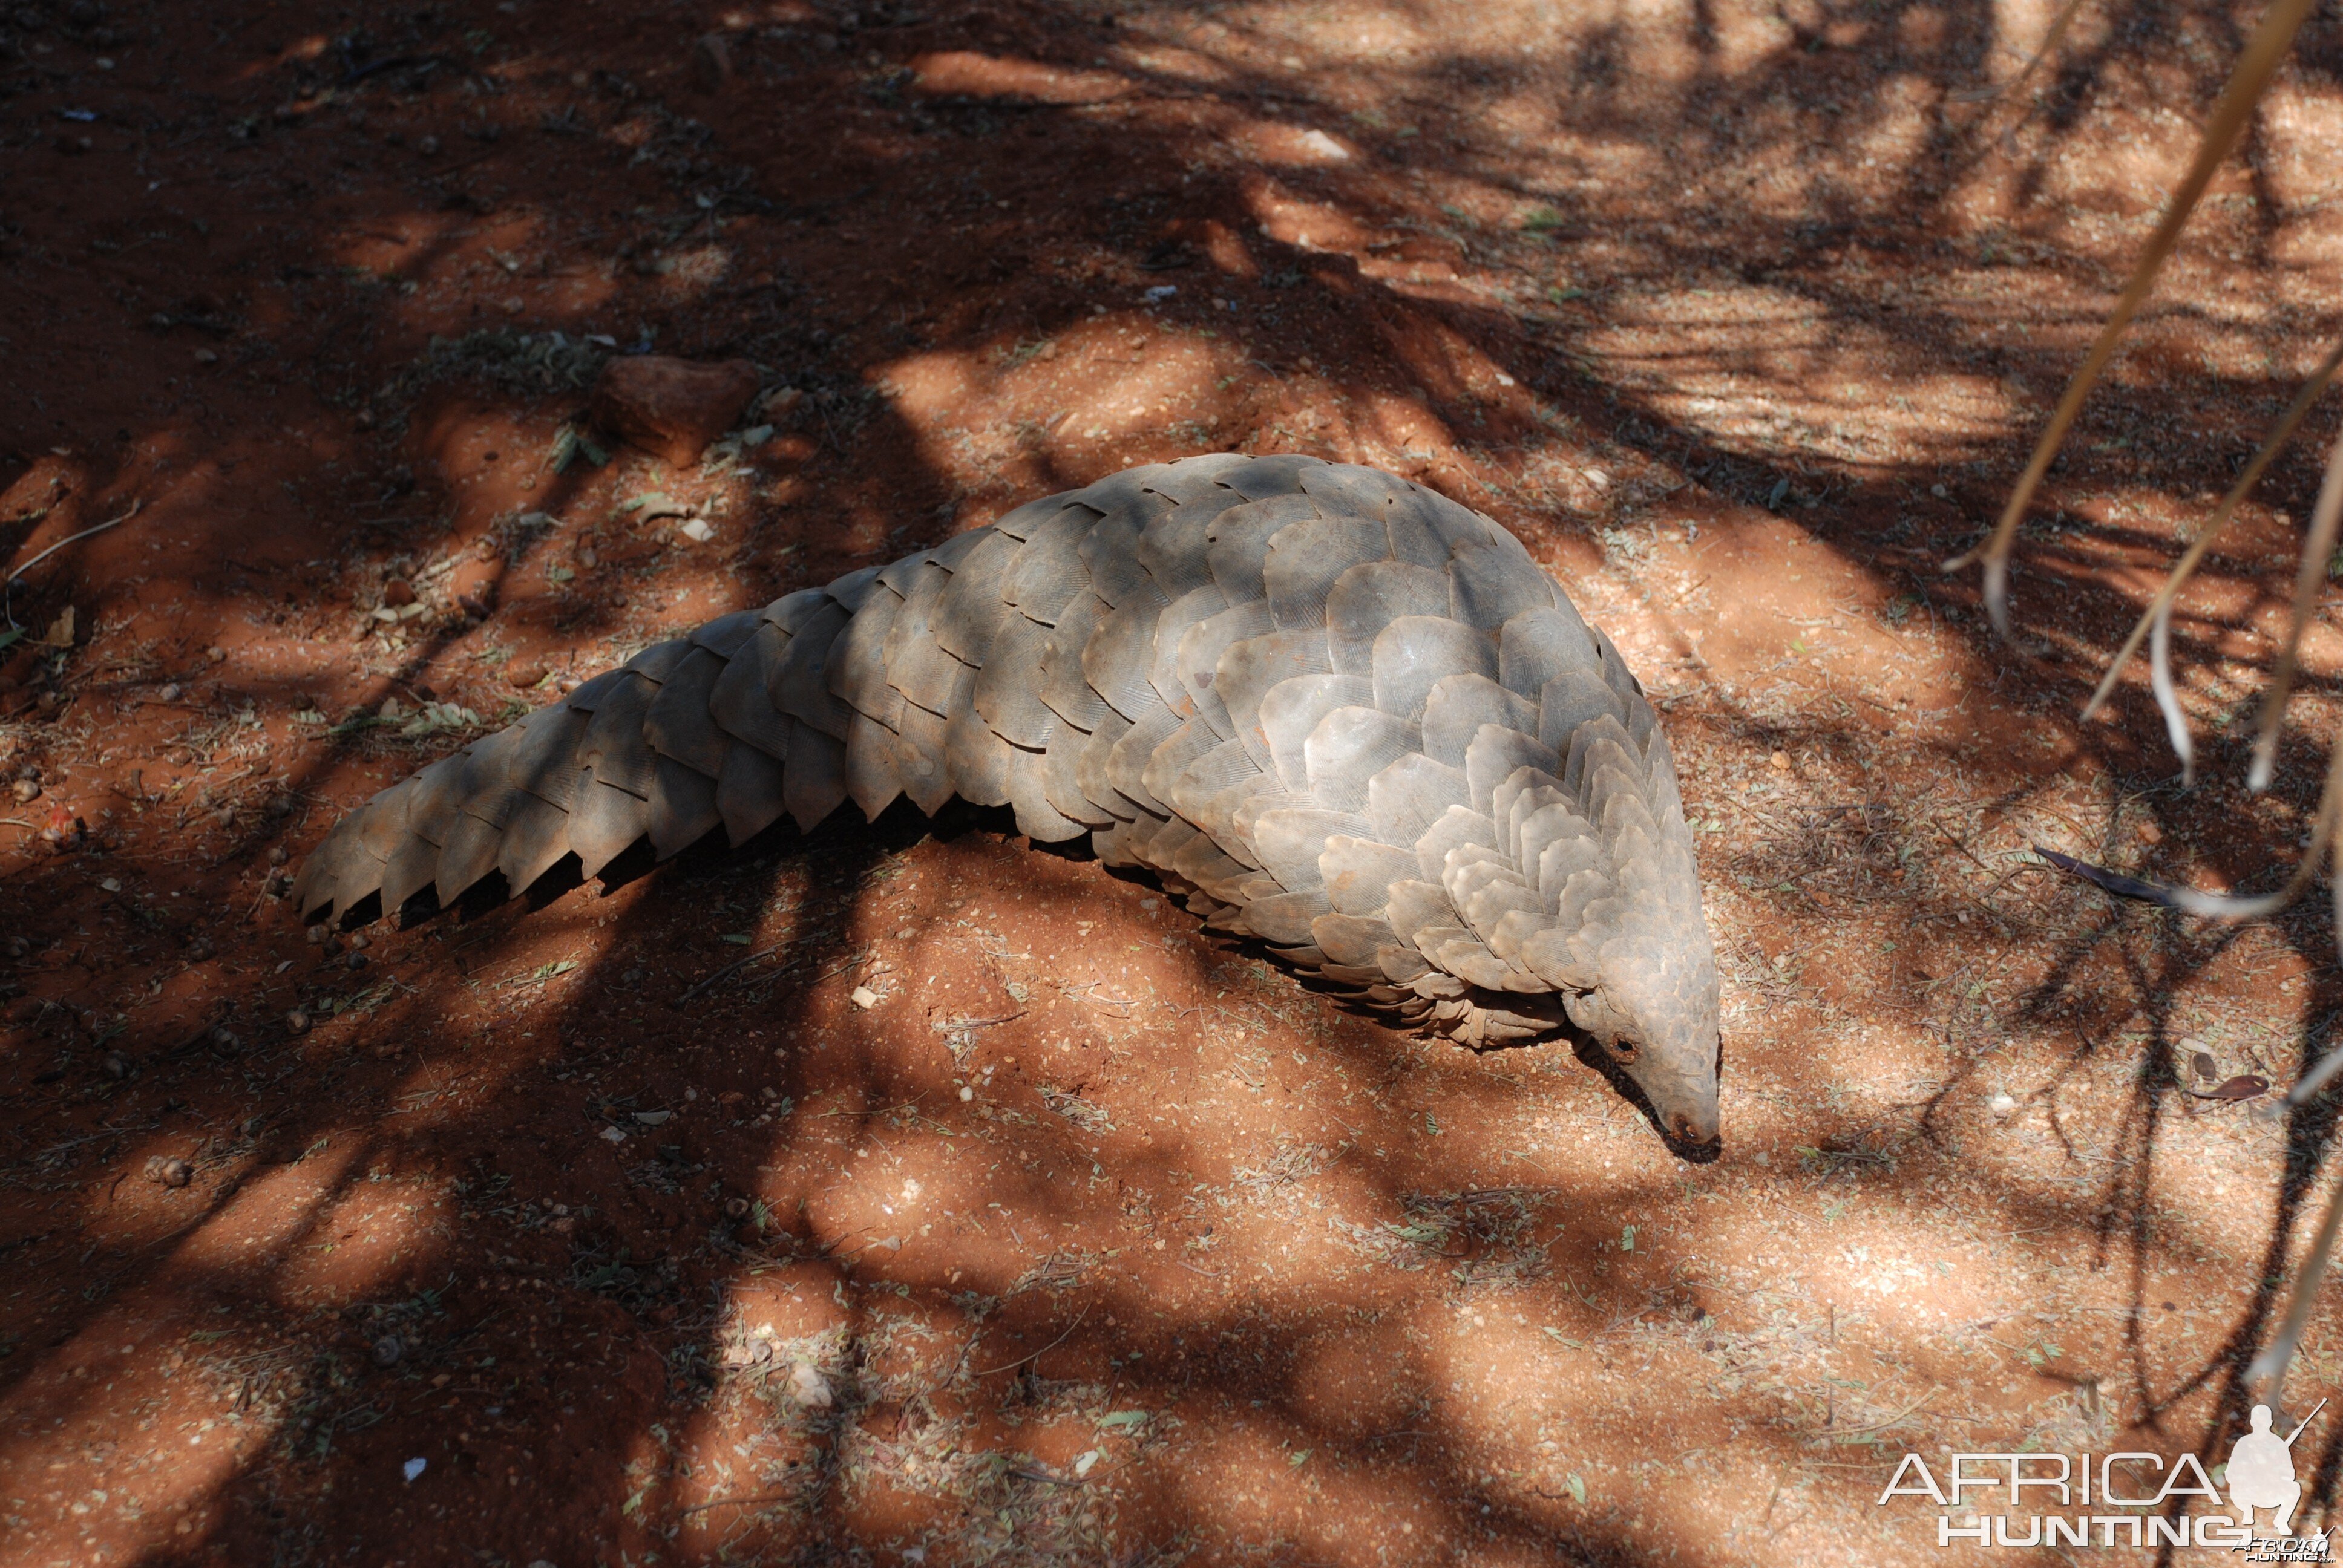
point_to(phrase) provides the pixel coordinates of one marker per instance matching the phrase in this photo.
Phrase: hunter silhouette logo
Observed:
(2129, 1499)
(2261, 1471)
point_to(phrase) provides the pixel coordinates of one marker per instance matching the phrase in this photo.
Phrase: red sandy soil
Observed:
(1093, 1240)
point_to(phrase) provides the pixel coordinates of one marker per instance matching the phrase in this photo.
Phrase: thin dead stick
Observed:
(728, 969)
(1891, 1421)
(2254, 68)
(2317, 549)
(9, 586)
(2050, 42)
(52, 549)
(2187, 567)
(1045, 1350)
(2266, 1375)
(2225, 906)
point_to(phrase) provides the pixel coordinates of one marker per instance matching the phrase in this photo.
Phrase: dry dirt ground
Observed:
(559, 1238)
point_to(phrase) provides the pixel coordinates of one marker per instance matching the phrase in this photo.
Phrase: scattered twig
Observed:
(1045, 1350)
(9, 587)
(2050, 42)
(736, 964)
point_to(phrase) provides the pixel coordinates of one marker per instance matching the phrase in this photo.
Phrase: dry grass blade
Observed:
(2316, 1079)
(2280, 433)
(2317, 549)
(2050, 42)
(2266, 1375)
(2167, 699)
(2255, 66)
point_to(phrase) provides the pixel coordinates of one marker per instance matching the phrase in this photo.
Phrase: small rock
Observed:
(170, 692)
(117, 1066)
(170, 1171)
(19, 947)
(356, 961)
(2002, 1106)
(782, 401)
(1779, 762)
(358, 942)
(613, 1135)
(525, 674)
(216, 655)
(315, 936)
(966, 1093)
(225, 1041)
(671, 409)
(296, 1022)
(199, 951)
(697, 530)
(398, 591)
(809, 1387)
(387, 1350)
(2149, 833)
(864, 997)
(279, 854)
(25, 790)
(414, 1467)
(712, 64)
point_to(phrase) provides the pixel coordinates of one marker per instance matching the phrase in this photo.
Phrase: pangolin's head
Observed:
(1655, 1011)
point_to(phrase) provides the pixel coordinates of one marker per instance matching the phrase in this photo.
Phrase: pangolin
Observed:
(1335, 710)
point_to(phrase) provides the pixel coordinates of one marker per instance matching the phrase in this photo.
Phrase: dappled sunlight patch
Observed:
(977, 75)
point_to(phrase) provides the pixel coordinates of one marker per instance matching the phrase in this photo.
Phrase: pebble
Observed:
(296, 1022)
(170, 692)
(356, 961)
(387, 1350)
(864, 997)
(117, 1066)
(712, 64)
(2002, 1106)
(279, 854)
(170, 1171)
(225, 1041)
(1779, 761)
(315, 936)
(524, 674)
(26, 791)
(809, 1388)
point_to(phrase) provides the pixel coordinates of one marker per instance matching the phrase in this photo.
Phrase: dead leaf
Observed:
(2203, 1065)
(61, 631)
(2245, 1086)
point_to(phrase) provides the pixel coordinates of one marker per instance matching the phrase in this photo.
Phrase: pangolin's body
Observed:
(1342, 713)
